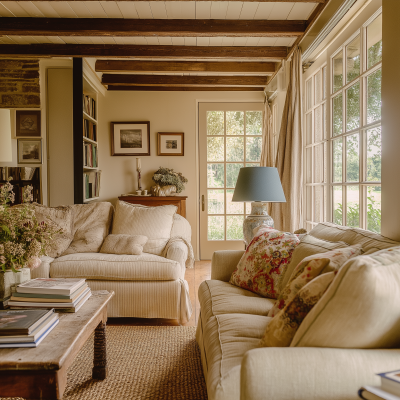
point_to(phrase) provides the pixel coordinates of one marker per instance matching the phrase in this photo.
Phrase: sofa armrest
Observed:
(178, 251)
(223, 263)
(308, 373)
(43, 271)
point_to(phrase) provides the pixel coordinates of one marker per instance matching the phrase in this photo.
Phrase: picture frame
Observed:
(171, 144)
(28, 123)
(29, 151)
(130, 138)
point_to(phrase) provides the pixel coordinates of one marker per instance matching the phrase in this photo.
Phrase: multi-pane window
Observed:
(349, 189)
(233, 141)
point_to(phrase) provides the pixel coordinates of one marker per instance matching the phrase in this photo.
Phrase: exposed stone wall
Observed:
(19, 83)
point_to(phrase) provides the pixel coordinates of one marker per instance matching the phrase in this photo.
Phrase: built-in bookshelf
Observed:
(20, 178)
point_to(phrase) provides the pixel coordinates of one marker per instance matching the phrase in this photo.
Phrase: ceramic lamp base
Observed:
(258, 216)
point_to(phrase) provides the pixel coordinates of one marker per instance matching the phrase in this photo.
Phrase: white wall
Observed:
(167, 112)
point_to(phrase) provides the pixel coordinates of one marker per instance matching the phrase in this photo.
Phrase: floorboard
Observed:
(194, 277)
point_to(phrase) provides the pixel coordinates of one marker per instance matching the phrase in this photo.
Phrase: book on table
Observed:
(389, 389)
(60, 286)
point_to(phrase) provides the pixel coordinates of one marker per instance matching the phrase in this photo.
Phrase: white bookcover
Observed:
(51, 285)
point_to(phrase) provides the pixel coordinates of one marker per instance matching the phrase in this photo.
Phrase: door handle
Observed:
(202, 202)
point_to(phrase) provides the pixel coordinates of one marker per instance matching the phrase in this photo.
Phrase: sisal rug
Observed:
(144, 362)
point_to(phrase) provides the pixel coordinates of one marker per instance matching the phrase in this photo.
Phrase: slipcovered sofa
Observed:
(338, 346)
(149, 285)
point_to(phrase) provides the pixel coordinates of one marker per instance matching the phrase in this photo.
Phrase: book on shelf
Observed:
(89, 106)
(376, 393)
(63, 286)
(89, 155)
(91, 184)
(89, 130)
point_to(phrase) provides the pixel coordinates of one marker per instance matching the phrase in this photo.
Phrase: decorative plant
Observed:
(167, 176)
(22, 238)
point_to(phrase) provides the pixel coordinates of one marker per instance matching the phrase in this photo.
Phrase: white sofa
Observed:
(232, 321)
(145, 286)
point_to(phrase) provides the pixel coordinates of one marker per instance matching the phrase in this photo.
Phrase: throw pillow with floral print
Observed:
(282, 328)
(310, 268)
(263, 264)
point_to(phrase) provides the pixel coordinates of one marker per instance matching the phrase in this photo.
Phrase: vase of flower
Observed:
(168, 182)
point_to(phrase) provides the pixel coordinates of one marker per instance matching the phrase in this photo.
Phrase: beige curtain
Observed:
(288, 216)
(267, 156)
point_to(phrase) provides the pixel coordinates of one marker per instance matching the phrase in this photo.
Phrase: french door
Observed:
(230, 138)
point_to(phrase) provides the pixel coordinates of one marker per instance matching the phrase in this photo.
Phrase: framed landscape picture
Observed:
(27, 123)
(130, 138)
(171, 144)
(29, 151)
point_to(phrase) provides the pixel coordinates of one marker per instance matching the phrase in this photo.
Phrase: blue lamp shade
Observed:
(259, 184)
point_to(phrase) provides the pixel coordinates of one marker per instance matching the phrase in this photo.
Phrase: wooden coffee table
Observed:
(41, 372)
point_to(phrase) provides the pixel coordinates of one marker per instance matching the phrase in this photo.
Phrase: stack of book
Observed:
(91, 184)
(25, 328)
(389, 389)
(62, 294)
(89, 155)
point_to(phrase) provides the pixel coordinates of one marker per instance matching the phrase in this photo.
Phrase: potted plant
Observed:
(168, 182)
(22, 239)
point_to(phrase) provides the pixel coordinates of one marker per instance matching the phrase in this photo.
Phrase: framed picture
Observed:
(27, 123)
(130, 138)
(171, 144)
(29, 151)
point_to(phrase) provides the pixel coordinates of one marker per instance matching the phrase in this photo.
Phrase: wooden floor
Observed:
(194, 277)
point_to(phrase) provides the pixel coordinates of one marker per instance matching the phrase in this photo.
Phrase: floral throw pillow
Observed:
(263, 264)
(310, 268)
(282, 328)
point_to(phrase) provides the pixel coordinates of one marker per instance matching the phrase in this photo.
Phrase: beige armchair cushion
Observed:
(153, 222)
(360, 309)
(124, 244)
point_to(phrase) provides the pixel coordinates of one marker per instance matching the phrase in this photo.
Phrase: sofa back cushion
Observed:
(181, 227)
(308, 246)
(370, 241)
(124, 244)
(153, 222)
(91, 225)
(360, 309)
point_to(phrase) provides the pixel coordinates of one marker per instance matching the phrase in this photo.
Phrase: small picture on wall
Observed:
(130, 138)
(29, 151)
(170, 144)
(27, 123)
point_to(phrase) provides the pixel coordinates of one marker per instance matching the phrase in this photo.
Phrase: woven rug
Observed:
(144, 362)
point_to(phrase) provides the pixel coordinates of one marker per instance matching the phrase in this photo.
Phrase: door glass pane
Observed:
(309, 165)
(248, 208)
(324, 133)
(253, 122)
(235, 122)
(234, 149)
(216, 202)
(353, 206)
(318, 163)
(337, 205)
(374, 154)
(215, 149)
(326, 204)
(353, 107)
(318, 201)
(318, 87)
(374, 41)
(253, 148)
(216, 228)
(374, 208)
(318, 124)
(374, 103)
(352, 158)
(215, 122)
(309, 128)
(353, 59)
(324, 83)
(234, 227)
(337, 160)
(215, 175)
(232, 172)
(308, 94)
(338, 71)
(233, 207)
(252, 164)
(326, 162)
(337, 115)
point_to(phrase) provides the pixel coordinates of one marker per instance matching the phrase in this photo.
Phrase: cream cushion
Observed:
(360, 309)
(181, 228)
(116, 267)
(91, 225)
(124, 244)
(308, 246)
(153, 222)
(217, 297)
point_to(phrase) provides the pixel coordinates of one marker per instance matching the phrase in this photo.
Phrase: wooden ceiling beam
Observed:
(150, 27)
(177, 80)
(267, 68)
(139, 51)
(185, 89)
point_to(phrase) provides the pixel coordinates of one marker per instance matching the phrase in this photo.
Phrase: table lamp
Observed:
(260, 185)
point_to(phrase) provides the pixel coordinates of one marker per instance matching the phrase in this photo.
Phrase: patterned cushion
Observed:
(124, 244)
(310, 268)
(261, 267)
(282, 328)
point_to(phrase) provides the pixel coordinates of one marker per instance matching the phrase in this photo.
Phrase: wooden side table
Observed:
(154, 201)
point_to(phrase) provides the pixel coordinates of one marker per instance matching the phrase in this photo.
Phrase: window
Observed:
(343, 157)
